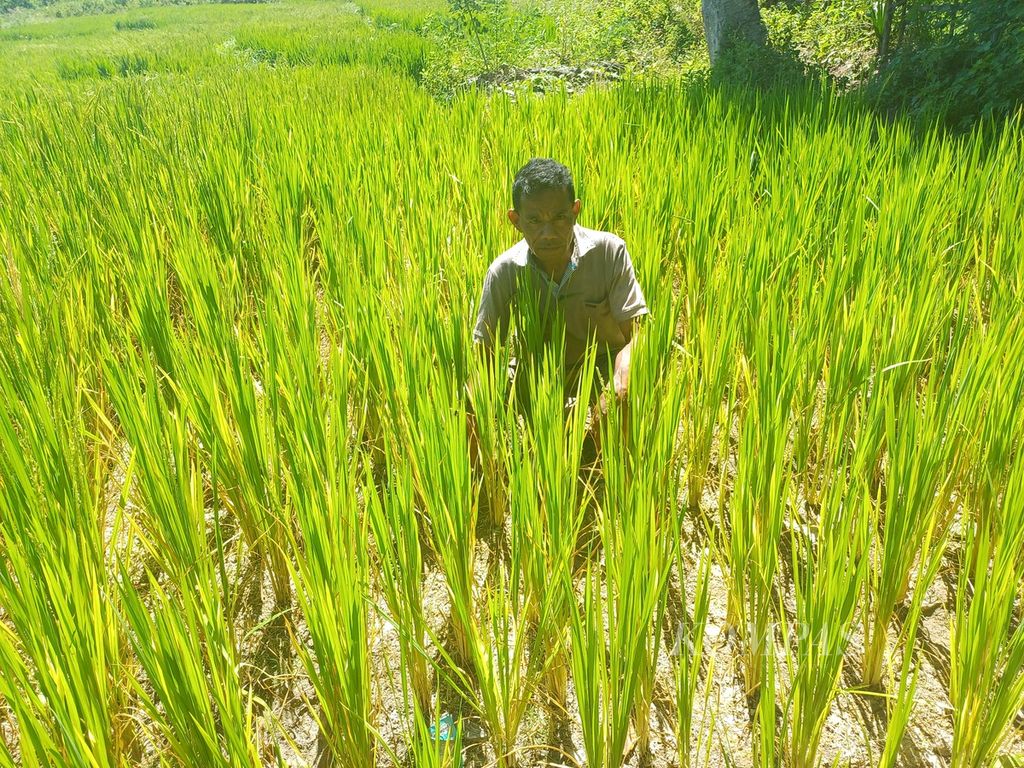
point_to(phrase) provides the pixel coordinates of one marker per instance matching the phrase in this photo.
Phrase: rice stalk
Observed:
(614, 686)
(758, 504)
(986, 682)
(918, 480)
(831, 560)
(548, 508)
(435, 430)
(689, 655)
(61, 644)
(396, 534)
(181, 638)
(331, 575)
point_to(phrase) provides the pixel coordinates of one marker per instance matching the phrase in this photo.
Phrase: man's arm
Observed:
(627, 302)
(491, 327)
(493, 315)
(620, 379)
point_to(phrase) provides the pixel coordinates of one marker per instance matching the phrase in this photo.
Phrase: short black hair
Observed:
(539, 175)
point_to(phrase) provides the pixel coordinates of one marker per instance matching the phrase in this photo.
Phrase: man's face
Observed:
(546, 220)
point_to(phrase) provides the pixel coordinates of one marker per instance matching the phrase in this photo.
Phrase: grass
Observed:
(176, 41)
(236, 376)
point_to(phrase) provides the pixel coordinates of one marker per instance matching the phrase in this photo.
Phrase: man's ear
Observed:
(513, 216)
(576, 207)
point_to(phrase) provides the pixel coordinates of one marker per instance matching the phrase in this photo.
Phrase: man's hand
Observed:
(620, 385)
(620, 373)
(620, 379)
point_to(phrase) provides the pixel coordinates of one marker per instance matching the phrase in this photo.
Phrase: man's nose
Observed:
(548, 230)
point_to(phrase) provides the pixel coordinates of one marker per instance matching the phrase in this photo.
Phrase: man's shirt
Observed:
(598, 292)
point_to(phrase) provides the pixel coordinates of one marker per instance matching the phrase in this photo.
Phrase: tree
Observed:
(727, 22)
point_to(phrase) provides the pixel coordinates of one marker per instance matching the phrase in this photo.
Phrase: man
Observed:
(579, 279)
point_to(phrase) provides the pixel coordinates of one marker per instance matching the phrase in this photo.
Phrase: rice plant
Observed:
(918, 480)
(396, 533)
(439, 460)
(689, 652)
(332, 573)
(637, 547)
(831, 560)
(987, 650)
(180, 633)
(757, 507)
(64, 673)
(238, 392)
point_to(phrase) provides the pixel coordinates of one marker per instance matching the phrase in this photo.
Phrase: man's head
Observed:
(544, 207)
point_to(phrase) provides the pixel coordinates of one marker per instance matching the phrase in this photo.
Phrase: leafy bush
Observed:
(960, 69)
(121, 65)
(769, 67)
(7, 6)
(644, 34)
(483, 37)
(666, 31)
(835, 36)
(583, 30)
(477, 36)
(134, 24)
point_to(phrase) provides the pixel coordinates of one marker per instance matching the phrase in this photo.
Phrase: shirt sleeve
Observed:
(625, 298)
(494, 314)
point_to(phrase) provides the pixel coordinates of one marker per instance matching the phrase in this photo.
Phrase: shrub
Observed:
(961, 68)
(134, 24)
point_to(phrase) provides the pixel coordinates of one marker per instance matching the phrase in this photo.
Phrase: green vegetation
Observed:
(958, 63)
(242, 521)
(205, 41)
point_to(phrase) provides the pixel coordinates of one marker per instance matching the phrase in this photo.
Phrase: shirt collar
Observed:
(584, 243)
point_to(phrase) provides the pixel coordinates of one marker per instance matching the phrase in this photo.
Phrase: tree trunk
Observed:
(727, 21)
(883, 42)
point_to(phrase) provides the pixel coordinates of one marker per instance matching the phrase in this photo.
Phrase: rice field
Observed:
(242, 521)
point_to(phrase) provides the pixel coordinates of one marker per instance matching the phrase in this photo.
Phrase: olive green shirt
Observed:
(598, 292)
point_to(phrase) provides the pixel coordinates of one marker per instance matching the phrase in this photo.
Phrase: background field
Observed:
(241, 520)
